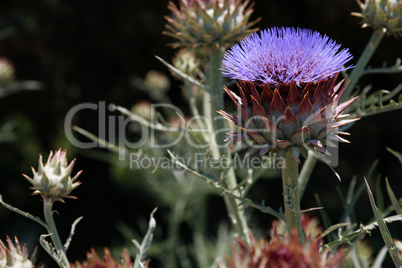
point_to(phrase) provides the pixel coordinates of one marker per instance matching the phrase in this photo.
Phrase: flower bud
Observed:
(383, 15)
(53, 180)
(187, 62)
(209, 22)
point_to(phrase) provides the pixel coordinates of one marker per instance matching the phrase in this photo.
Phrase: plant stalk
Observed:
(291, 195)
(212, 103)
(368, 52)
(54, 235)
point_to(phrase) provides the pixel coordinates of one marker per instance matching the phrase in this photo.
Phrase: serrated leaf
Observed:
(25, 214)
(53, 252)
(226, 191)
(386, 235)
(362, 230)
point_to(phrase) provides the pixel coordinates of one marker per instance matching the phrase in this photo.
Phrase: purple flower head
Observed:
(285, 55)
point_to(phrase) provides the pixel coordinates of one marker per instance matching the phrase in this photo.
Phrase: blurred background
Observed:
(69, 52)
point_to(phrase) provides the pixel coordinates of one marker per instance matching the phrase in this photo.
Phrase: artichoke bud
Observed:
(53, 180)
(208, 23)
(385, 15)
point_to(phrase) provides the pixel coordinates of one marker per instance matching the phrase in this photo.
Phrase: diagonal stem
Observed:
(368, 52)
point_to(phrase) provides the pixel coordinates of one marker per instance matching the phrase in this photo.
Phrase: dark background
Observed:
(87, 51)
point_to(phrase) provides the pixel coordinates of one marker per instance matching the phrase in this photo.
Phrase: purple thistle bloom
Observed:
(284, 55)
(289, 98)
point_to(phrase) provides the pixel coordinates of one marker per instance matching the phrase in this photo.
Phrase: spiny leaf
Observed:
(25, 214)
(386, 235)
(226, 191)
(53, 252)
(379, 102)
(362, 230)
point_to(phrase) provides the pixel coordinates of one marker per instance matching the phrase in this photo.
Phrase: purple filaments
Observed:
(284, 55)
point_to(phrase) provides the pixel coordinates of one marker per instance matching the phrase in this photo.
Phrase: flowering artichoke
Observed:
(95, 261)
(289, 98)
(209, 22)
(383, 15)
(14, 256)
(282, 252)
(53, 180)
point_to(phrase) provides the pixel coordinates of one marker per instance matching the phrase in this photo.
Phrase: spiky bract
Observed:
(14, 256)
(95, 261)
(289, 117)
(282, 252)
(207, 23)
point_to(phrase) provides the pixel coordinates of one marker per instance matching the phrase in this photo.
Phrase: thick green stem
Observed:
(291, 194)
(369, 50)
(212, 103)
(305, 173)
(54, 235)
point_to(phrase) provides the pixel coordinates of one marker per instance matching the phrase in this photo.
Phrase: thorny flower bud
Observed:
(209, 22)
(53, 179)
